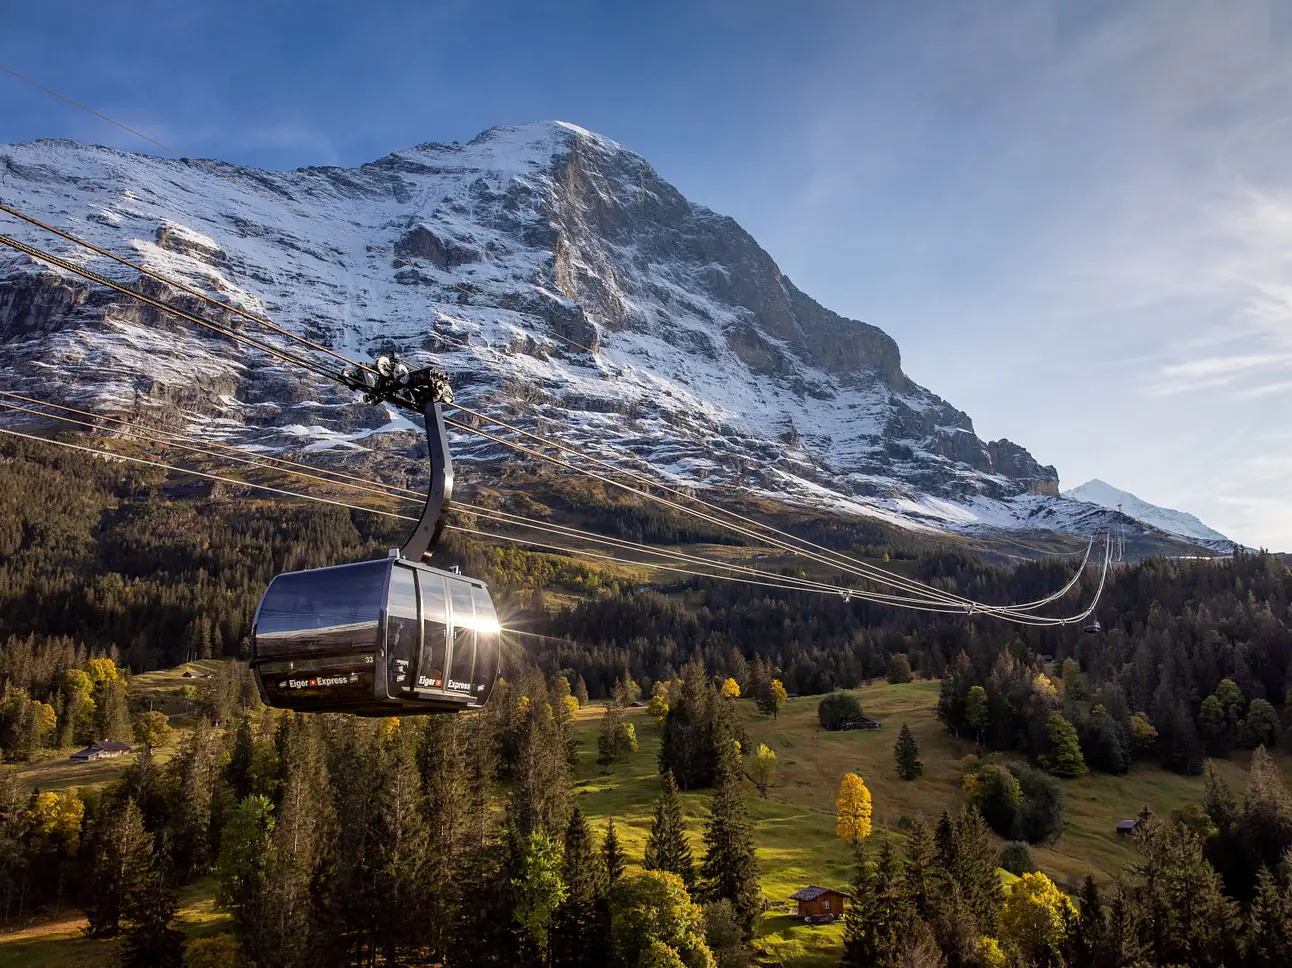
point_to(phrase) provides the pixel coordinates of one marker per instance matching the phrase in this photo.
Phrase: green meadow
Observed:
(794, 824)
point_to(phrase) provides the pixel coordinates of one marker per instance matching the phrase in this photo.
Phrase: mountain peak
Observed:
(1174, 522)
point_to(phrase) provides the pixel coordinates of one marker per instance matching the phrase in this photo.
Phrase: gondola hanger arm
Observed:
(423, 391)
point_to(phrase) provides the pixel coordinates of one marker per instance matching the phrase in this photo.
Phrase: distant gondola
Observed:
(1093, 628)
(390, 637)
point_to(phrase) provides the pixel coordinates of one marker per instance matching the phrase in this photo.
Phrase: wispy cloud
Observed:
(1087, 207)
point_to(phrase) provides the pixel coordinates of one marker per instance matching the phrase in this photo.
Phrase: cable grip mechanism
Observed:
(424, 391)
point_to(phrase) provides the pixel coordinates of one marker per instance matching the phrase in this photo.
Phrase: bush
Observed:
(1019, 802)
(899, 668)
(837, 707)
(995, 791)
(1016, 857)
(1041, 819)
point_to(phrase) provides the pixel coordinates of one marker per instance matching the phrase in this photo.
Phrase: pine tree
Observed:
(540, 796)
(906, 754)
(442, 760)
(612, 855)
(582, 924)
(1124, 944)
(111, 716)
(238, 770)
(1269, 923)
(401, 841)
(293, 916)
(193, 773)
(241, 866)
(120, 857)
(880, 926)
(977, 712)
(1185, 916)
(1089, 937)
(667, 848)
(920, 867)
(150, 937)
(966, 852)
(859, 949)
(730, 868)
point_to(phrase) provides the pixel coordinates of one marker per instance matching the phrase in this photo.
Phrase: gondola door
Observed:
(403, 631)
(463, 618)
(435, 633)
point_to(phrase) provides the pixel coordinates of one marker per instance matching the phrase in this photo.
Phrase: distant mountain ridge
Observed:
(1179, 523)
(561, 283)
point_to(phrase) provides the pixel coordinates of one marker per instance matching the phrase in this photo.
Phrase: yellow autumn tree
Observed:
(730, 689)
(1035, 917)
(56, 817)
(852, 822)
(102, 672)
(658, 706)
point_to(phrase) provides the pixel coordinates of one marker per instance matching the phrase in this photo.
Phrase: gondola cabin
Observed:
(377, 638)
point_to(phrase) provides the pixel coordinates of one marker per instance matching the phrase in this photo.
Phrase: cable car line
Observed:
(255, 460)
(846, 563)
(127, 291)
(780, 583)
(90, 110)
(835, 559)
(207, 297)
(339, 377)
(871, 573)
(561, 549)
(889, 579)
(309, 472)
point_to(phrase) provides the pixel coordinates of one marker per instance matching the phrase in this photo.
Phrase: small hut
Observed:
(1126, 827)
(101, 749)
(819, 902)
(859, 722)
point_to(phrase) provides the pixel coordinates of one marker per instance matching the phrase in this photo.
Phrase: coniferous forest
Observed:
(457, 840)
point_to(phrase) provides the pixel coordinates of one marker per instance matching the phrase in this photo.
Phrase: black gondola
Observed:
(392, 637)
(377, 638)
(1092, 627)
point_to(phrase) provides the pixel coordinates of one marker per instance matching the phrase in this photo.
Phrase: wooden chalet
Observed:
(101, 749)
(859, 722)
(819, 902)
(1126, 827)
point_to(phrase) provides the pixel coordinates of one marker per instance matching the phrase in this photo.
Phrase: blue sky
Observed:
(1075, 218)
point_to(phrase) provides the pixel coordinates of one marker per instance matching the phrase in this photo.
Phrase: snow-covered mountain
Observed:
(557, 278)
(1177, 523)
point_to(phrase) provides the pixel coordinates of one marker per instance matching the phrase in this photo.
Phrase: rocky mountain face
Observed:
(557, 278)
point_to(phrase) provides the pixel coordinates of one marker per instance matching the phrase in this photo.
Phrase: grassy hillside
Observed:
(150, 690)
(794, 824)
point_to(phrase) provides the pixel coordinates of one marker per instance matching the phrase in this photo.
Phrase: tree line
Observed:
(339, 841)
